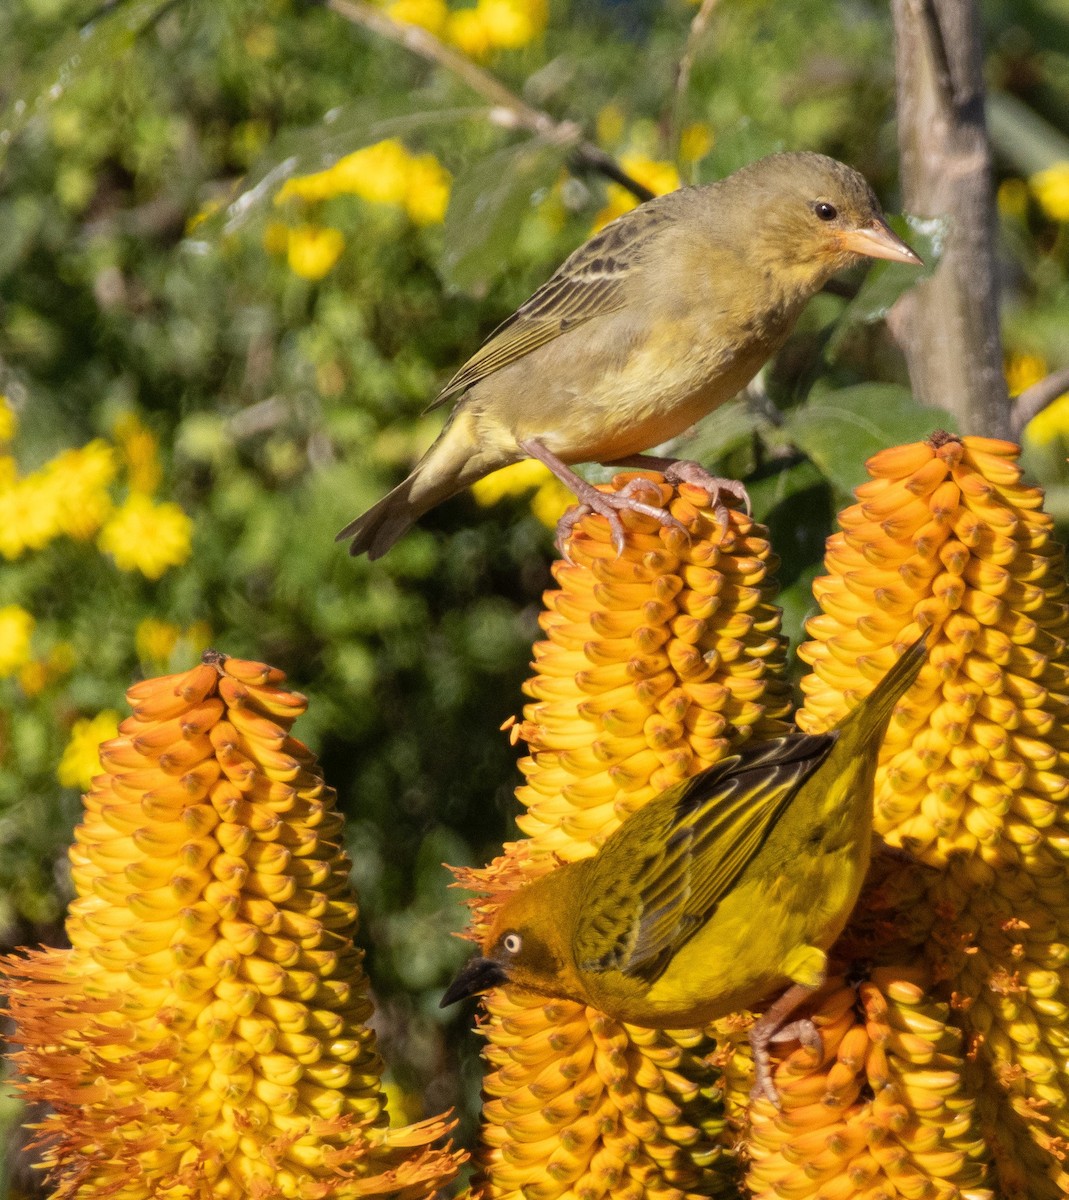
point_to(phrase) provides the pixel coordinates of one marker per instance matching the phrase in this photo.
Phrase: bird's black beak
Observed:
(477, 975)
(878, 240)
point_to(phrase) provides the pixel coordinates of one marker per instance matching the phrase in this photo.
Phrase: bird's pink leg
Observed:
(772, 1027)
(685, 470)
(608, 504)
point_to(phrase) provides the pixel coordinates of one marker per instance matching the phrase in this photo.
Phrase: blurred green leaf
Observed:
(98, 44)
(795, 503)
(840, 430)
(488, 203)
(886, 281)
(1022, 136)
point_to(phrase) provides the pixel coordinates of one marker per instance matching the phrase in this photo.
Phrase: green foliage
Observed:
(148, 283)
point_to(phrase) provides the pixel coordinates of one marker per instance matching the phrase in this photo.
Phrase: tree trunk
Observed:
(948, 325)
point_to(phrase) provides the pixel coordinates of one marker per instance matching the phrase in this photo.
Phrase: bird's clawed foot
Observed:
(685, 470)
(610, 505)
(771, 1029)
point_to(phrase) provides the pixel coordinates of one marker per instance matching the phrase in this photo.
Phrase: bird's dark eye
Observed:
(511, 943)
(826, 211)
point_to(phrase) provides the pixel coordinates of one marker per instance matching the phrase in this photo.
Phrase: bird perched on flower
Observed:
(664, 314)
(715, 894)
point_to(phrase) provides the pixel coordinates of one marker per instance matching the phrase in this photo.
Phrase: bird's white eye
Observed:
(511, 943)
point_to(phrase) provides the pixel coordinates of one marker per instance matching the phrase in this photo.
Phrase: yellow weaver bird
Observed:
(663, 315)
(715, 894)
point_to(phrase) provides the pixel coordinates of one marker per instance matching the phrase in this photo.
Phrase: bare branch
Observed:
(509, 109)
(950, 322)
(1033, 400)
(698, 26)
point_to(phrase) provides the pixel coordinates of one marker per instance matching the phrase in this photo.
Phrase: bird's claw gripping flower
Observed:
(881, 1111)
(714, 894)
(666, 313)
(609, 504)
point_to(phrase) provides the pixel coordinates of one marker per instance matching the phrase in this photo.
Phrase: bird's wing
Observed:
(588, 284)
(687, 850)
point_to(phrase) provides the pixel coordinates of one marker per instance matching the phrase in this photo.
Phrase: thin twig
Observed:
(510, 110)
(1033, 400)
(698, 26)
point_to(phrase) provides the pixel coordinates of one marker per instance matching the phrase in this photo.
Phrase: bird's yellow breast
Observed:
(750, 948)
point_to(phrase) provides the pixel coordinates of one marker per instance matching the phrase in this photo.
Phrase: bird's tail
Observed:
(868, 721)
(447, 468)
(376, 530)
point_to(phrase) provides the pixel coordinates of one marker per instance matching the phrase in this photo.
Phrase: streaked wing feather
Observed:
(698, 842)
(591, 283)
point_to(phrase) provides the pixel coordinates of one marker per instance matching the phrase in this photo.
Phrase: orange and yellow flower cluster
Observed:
(206, 1035)
(972, 787)
(654, 664)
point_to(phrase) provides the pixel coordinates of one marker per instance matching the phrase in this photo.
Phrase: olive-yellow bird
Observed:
(664, 314)
(714, 895)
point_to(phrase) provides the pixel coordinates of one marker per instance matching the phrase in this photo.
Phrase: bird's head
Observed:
(526, 944)
(810, 216)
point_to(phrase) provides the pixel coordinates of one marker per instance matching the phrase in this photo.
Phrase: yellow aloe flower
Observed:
(16, 630)
(654, 664)
(9, 421)
(974, 774)
(312, 251)
(660, 177)
(81, 478)
(31, 511)
(80, 763)
(1051, 189)
(550, 500)
(140, 452)
(849, 1125)
(1022, 370)
(205, 1037)
(147, 537)
(427, 14)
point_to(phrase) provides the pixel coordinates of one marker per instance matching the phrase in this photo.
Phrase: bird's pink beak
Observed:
(878, 240)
